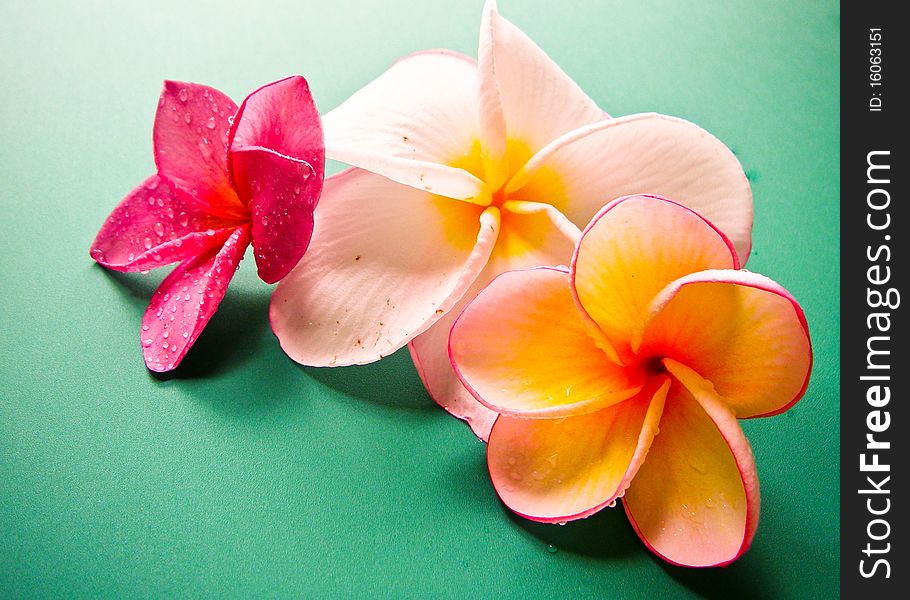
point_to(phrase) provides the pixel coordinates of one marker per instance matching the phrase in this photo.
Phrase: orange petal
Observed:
(695, 500)
(557, 470)
(631, 250)
(520, 348)
(741, 331)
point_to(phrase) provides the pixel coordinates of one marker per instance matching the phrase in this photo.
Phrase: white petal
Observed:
(642, 154)
(411, 123)
(386, 261)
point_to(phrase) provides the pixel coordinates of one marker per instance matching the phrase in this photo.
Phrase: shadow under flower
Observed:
(230, 338)
(606, 534)
(392, 382)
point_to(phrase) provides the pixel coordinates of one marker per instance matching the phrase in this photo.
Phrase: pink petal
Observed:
(741, 331)
(385, 263)
(534, 359)
(283, 196)
(280, 116)
(538, 101)
(187, 299)
(412, 124)
(429, 350)
(557, 470)
(646, 153)
(190, 138)
(695, 500)
(155, 225)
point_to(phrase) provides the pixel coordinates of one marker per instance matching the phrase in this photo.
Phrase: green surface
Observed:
(244, 474)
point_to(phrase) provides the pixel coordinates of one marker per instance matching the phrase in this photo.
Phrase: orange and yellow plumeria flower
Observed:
(624, 376)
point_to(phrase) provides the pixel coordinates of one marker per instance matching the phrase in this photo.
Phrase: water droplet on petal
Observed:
(183, 219)
(148, 243)
(145, 328)
(183, 94)
(265, 221)
(159, 229)
(552, 549)
(210, 123)
(209, 232)
(146, 343)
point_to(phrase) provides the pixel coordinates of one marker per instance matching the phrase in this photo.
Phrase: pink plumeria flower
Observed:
(624, 376)
(227, 176)
(465, 169)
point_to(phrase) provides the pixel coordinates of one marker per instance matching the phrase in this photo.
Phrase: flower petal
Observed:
(741, 331)
(645, 153)
(695, 499)
(187, 299)
(553, 242)
(413, 122)
(520, 348)
(538, 101)
(630, 251)
(283, 194)
(386, 262)
(429, 351)
(556, 470)
(282, 117)
(155, 225)
(190, 139)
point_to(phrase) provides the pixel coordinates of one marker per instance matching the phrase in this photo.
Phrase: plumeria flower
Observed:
(227, 176)
(624, 376)
(464, 169)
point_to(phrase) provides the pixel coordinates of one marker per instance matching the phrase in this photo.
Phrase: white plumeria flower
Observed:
(462, 170)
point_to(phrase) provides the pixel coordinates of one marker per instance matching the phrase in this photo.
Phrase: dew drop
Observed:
(205, 149)
(265, 221)
(185, 335)
(148, 243)
(146, 343)
(183, 94)
(159, 229)
(209, 232)
(164, 345)
(552, 549)
(538, 476)
(151, 185)
(145, 328)
(612, 504)
(165, 334)
(186, 297)
(183, 219)
(160, 201)
(151, 201)
(210, 123)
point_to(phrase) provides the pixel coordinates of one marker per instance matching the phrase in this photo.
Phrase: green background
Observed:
(246, 474)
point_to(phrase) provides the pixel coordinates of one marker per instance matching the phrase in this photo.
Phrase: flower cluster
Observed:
(472, 184)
